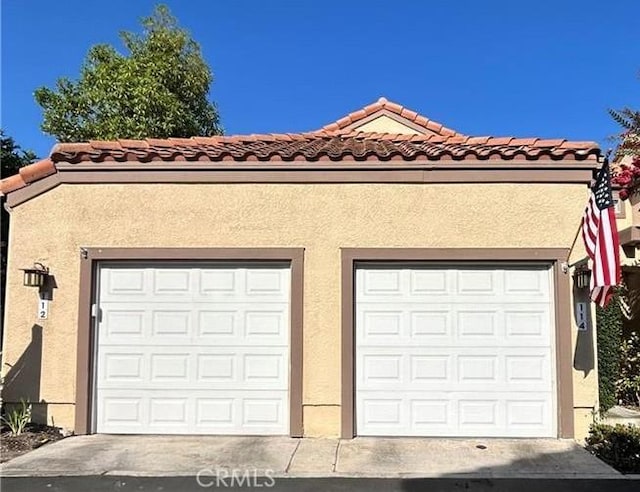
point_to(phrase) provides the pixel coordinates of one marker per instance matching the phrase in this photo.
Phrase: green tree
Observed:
(629, 136)
(158, 89)
(627, 118)
(12, 157)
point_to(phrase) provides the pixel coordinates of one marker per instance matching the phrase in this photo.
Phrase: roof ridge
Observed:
(313, 146)
(383, 103)
(140, 144)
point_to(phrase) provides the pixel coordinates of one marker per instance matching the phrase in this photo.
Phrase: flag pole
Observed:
(566, 265)
(575, 238)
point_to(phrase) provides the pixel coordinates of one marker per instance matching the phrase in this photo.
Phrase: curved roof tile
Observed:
(313, 146)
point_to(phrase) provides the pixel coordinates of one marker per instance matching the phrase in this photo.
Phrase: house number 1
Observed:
(43, 309)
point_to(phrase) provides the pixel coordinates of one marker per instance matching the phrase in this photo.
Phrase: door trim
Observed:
(88, 291)
(562, 304)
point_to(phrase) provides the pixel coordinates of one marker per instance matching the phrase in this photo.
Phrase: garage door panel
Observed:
(168, 411)
(124, 322)
(381, 369)
(157, 284)
(489, 324)
(479, 414)
(242, 284)
(469, 368)
(475, 322)
(173, 367)
(187, 412)
(264, 324)
(456, 299)
(172, 282)
(122, 412)
(127, 283)
(457, 352)
(219, 323)
(477, 282)
(529, 282)
(168, 322)
(381, 323)
(527, 413)
(470, 413)
(454, 285)
(196, 349)
(527, 324)
(122, 368)
(432, 283)
(169, 368)
(426, 414)
(431, 324)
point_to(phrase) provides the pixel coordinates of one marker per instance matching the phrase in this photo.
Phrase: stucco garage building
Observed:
(384, 275)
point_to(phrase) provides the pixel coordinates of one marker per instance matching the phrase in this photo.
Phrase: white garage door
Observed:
(193, 349)
(445, 351)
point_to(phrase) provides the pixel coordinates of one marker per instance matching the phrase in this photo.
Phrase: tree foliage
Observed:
(158, 89)
(629, 137)
(626, 173)
(12, 157)
(627, 118)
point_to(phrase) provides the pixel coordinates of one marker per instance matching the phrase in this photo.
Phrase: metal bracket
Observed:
(84, 253)
(566, 266)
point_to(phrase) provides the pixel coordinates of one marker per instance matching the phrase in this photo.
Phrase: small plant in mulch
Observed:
(32, 436)
(618, 445)
(18, 418)
(19, 435)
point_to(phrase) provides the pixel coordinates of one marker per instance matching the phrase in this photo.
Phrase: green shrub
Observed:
(628, 383)
(609, 339)
(18, 418)
(618, 446)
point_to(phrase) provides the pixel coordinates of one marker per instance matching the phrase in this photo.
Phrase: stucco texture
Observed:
(384, 124)
(322, 218)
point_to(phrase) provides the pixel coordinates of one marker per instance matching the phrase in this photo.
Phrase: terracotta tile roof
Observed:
(324, 146)
(327, 145)
(381, 104)
(28, 174)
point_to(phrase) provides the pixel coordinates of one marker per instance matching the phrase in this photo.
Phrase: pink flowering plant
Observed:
(627, 177)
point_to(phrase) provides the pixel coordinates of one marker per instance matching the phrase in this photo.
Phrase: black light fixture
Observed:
(36, 276)
(581, 277)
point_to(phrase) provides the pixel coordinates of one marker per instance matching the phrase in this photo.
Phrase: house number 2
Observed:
(43, 309)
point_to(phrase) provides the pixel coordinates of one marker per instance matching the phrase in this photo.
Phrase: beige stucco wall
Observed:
(322, 218)
(384, 124)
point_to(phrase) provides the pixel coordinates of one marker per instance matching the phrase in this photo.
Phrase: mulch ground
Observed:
(33, 437)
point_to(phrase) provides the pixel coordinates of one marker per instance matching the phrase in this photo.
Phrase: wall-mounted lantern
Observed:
(581, 277)
(36, 276)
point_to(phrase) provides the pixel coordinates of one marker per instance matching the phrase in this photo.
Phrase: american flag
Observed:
(600, 236)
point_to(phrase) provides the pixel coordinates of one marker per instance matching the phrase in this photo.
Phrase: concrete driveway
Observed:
(286, 457)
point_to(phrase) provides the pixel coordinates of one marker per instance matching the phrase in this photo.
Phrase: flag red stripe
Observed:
(601, 241)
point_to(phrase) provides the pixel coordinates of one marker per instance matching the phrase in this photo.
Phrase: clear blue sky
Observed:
(492, 67)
